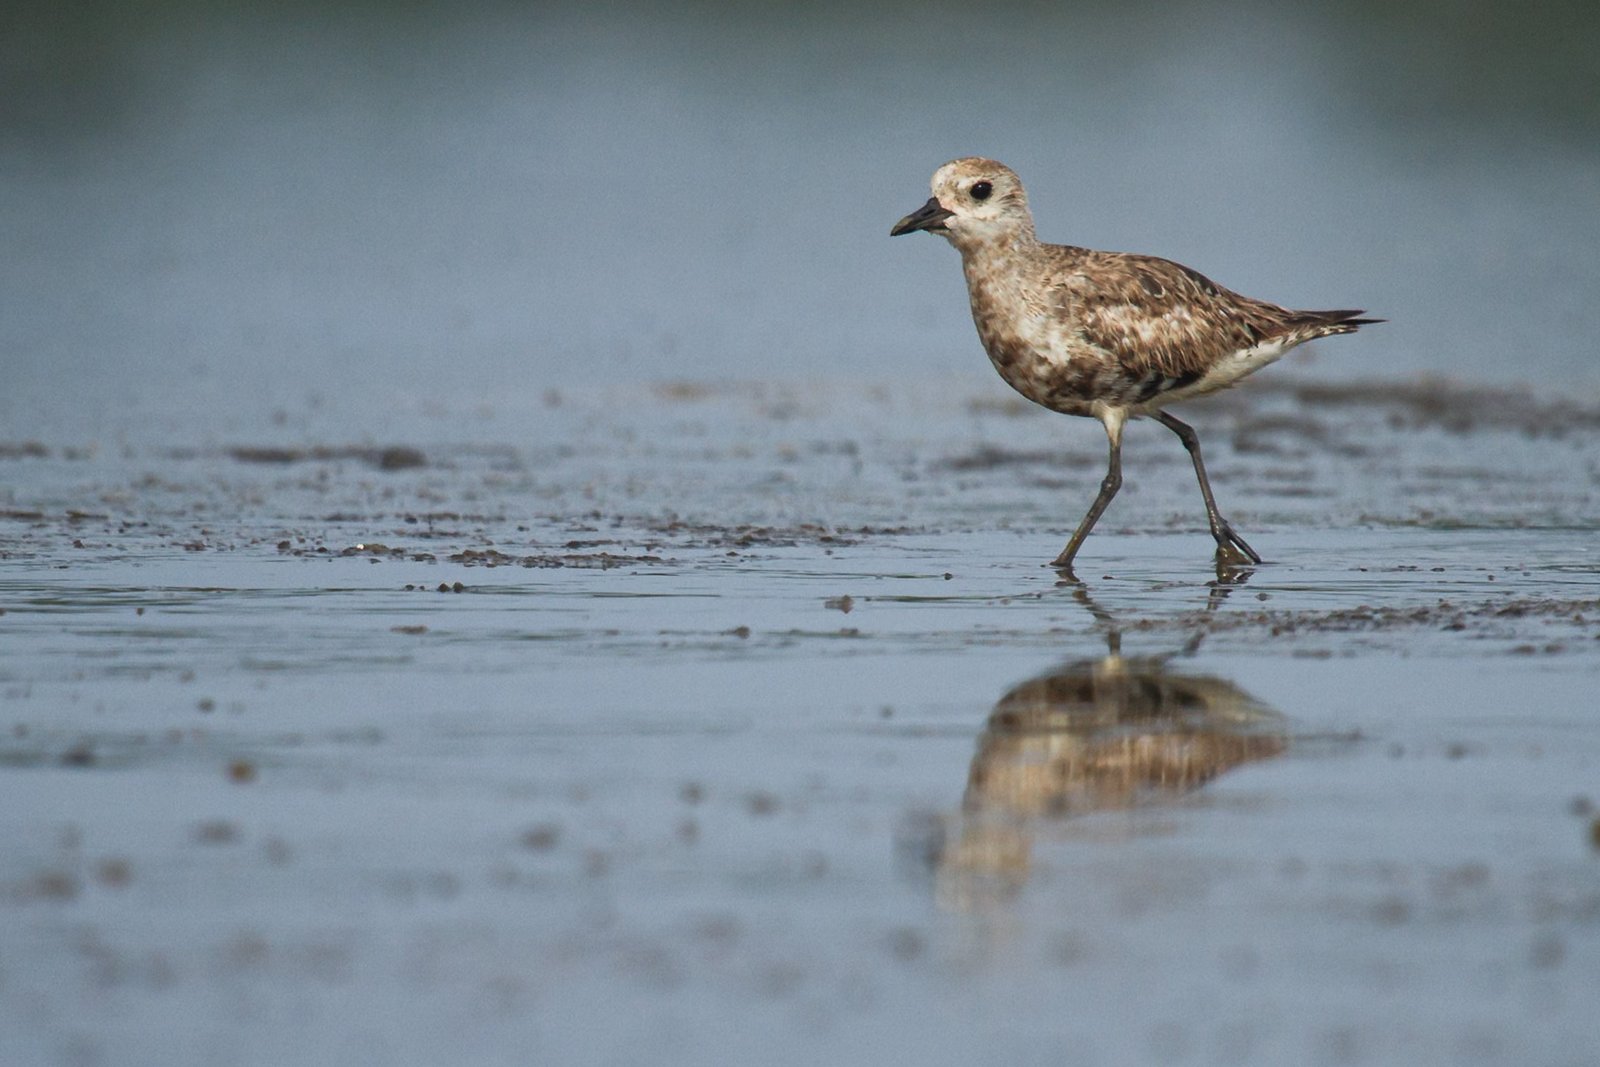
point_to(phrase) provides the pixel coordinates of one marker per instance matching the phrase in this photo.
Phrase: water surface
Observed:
(745, 722)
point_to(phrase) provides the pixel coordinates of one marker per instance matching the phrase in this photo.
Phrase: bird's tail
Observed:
(1329, 323)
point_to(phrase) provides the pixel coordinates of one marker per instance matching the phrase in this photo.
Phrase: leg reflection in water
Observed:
(1110, 733)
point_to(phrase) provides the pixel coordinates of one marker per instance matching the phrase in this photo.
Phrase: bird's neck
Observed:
(997, 246)
(1003, 285)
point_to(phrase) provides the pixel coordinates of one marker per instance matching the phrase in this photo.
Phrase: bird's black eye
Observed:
(981, 190)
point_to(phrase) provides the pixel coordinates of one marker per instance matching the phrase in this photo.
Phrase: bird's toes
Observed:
(1231, 546)
(1233, 552)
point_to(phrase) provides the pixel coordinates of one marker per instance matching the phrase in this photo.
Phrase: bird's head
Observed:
(975, 201)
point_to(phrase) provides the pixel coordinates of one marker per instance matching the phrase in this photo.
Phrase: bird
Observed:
(1107, 335)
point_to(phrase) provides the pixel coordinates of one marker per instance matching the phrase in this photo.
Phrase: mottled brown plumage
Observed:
(1111, 335)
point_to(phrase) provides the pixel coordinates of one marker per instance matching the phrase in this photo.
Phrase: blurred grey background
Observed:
(250, 203)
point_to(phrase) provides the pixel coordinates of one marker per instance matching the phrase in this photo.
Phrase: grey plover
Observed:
(1112, 335)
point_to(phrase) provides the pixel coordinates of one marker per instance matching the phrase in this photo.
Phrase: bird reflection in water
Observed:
(1094, 735)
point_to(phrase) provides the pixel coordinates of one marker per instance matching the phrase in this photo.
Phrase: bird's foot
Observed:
(1230, 557)
(1231, 548)
(1063, 567)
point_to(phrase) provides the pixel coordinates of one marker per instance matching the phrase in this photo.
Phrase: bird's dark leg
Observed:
(1108, 489)
(1229, 544)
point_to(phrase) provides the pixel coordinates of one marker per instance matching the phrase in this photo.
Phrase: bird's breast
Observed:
(1031, 343)
(1042, 368)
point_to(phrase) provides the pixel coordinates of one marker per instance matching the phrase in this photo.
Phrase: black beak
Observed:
(929, 216)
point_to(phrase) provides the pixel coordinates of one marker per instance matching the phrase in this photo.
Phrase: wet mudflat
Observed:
(743, 724)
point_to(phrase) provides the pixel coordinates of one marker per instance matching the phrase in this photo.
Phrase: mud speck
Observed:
(113, 872)
(541, 838)
(1547, 952)
(57, 885)
(81, 754)
(399, 458)
(760, 803)
(906, 944)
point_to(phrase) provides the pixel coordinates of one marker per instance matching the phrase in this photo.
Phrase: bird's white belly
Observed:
(1230, 369)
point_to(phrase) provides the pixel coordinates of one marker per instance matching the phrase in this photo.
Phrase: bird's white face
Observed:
(974, 201)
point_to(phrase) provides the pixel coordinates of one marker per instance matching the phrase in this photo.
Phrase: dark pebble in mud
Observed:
(241, 772)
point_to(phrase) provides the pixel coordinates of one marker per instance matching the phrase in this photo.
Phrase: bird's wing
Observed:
(1158, 322)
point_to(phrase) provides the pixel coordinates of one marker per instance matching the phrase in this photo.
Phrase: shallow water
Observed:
(743, 723)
